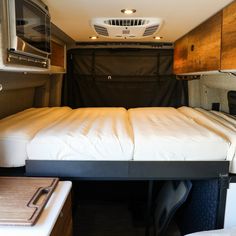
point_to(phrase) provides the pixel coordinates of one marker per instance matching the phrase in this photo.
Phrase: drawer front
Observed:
(63, 226)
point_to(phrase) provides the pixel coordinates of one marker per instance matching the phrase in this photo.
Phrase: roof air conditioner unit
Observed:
(126, 28)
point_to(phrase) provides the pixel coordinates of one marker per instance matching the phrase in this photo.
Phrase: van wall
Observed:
(211, 89)
(20, 91)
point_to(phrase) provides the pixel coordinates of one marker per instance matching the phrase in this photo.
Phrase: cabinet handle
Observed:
(192, 47)
(44, 193)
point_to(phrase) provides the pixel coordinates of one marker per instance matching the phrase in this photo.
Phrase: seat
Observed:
(171, 196)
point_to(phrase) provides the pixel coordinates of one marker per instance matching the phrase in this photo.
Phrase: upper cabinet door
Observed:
(200, 49)
(204, 45)
(181, 55)
(228, 61)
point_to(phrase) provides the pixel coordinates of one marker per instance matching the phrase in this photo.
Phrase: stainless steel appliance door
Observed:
(30, 25)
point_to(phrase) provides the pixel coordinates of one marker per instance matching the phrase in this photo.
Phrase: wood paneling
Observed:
(58, 54)
(204, 44)
(63, 226)
(200, 49)
(181, 55)
(228, 60)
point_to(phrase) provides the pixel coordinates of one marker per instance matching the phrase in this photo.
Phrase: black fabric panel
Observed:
(122, 77)
(200, 210)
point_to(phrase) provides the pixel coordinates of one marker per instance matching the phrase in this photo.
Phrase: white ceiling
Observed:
(180, 16)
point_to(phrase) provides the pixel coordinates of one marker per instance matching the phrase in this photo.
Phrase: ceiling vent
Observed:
(126, 28)
(150, 30)
(101, 30)
(126, 22)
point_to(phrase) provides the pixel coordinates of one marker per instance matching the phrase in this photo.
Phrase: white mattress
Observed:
(141, 134)
(230, 123)
(220, 117)
(85, 134)
(165, 134)
(222, 232)
(17, 130)
(217, 124)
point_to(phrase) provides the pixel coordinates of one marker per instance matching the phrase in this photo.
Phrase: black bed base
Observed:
(139, 170)
(128, 170)
(13, 171)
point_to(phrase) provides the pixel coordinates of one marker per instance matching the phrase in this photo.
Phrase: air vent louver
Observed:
(150, 30)
(126, 22)
(101, 30)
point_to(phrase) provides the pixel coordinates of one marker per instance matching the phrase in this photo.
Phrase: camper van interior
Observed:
(117, 118)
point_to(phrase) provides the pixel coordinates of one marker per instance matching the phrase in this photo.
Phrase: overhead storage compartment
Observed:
(200, 49)
(228, 54)
(210, 47)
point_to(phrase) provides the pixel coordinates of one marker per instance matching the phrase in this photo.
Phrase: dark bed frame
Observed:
(128, 170)
(138, 170)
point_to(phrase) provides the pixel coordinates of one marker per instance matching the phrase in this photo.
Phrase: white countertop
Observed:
(47, 219)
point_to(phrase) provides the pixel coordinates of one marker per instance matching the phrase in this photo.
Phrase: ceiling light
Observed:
(93, 37)
(128, 11)
(157, 37)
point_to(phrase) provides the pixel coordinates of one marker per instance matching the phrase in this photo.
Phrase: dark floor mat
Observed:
(106, 219)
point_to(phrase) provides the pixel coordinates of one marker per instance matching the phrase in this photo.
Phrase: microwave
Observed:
(25, 34)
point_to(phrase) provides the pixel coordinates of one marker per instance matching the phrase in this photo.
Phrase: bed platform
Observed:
(215, 172)
(102, 143)
(129, 170)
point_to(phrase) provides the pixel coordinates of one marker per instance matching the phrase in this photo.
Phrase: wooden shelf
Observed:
(58, 57)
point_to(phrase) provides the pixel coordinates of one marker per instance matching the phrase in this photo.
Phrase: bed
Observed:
(139, 143)
(119, 144)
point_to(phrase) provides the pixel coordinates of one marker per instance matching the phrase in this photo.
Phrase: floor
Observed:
(106, 219)
(121, 212)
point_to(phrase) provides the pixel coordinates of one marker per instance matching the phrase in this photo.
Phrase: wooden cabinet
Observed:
(181, 55)
(200, 49)
(63, 226)
(228, 54)
(204, 45)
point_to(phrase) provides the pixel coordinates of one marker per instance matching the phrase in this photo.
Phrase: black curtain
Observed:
(122, 78)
